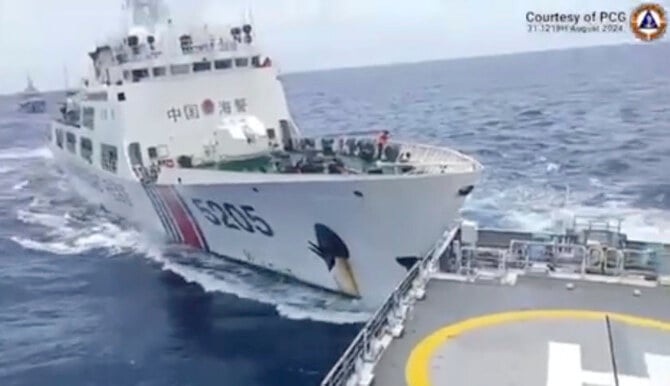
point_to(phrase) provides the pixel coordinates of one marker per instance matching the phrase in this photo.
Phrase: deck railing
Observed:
(415, 158)
(146, 175)
(354, 366)
(584, 261)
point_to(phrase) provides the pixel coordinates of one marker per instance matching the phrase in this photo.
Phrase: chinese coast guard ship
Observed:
(32, 100)
(187, 133)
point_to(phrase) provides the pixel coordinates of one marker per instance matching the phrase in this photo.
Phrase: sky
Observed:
(42, 38)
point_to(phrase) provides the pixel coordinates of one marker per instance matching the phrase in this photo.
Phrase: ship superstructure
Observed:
(186, 132)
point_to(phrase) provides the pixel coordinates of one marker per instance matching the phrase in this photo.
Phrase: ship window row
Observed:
(106, 114)
(88, 116)
(108, 153)
(137, 75)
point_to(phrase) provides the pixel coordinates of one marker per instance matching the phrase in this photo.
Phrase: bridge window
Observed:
(179, 69)
(159, 71)
(97, 96)
(59, 138)
(202, 66)
(140, 74)
(241, 62)
(108, 157)
(162, 151)
(223, 64)
(135, 153)
(256, 61)
(88, 117)
(71, 142)
(86, 149)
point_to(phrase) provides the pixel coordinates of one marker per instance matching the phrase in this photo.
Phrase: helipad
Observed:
(533, 333)
(582, 306)
(545, 347)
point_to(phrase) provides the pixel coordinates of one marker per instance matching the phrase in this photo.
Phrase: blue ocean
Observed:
(86, 300)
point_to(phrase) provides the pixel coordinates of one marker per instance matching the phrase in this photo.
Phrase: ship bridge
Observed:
(153, 48)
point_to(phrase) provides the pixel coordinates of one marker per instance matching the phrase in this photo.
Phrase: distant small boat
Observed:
(32, 100)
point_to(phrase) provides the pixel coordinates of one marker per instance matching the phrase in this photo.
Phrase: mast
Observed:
(66, 79)
(145, 13)
(30, 88)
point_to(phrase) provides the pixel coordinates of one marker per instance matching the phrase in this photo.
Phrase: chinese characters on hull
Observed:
(193, 111)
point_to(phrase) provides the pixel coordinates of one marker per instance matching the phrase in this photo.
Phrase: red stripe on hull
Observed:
(186, 226)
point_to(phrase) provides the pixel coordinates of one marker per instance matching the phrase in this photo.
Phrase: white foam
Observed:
(648, 225)
(20, 185)
(45, 219)
(25, 153)
(67, 235)
(553, 167)
(5, 169)
(292, 300)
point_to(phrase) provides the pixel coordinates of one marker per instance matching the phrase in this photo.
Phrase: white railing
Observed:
(124, 55)
(431, 158)
(551, 256)
(146, 175)
(598, 224)
(355, 365)
(422, 158)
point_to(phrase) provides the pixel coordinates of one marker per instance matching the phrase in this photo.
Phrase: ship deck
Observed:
(476, 320)
(345, 154)
(534, 332)
(306, 162)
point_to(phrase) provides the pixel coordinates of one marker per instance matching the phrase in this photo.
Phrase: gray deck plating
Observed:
(517, 353)
(580, 306)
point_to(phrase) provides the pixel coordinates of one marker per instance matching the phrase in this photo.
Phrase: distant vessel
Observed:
(186, 132)
(32, 100)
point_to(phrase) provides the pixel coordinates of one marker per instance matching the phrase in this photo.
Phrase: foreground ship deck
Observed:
(513, 308)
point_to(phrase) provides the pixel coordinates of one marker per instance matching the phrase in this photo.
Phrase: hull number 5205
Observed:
(241, 218)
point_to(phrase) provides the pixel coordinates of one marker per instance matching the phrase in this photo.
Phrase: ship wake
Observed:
(535, 210)
(90, 231)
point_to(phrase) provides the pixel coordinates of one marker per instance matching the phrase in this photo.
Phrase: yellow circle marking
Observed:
(417, 369)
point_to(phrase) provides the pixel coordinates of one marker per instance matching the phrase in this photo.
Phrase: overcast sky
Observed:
(42, 37)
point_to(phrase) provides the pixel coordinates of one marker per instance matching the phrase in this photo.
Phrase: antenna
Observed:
(65, 76)
(249, 17)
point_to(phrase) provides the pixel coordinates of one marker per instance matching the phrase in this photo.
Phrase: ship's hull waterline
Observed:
(349, 235)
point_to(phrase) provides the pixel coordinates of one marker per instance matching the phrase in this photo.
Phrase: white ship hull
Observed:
(273, 223)
(165, 113)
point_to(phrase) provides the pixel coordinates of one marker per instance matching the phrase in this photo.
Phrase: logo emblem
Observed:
(207, 106)
(648, 21)
(331, 248)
